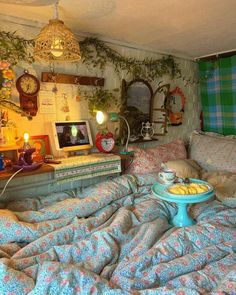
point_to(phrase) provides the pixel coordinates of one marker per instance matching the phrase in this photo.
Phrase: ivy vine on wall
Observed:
(14, 48)
(96, 53)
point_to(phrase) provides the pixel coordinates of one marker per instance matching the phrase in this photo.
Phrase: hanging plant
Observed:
(14, 48)
(100, 99)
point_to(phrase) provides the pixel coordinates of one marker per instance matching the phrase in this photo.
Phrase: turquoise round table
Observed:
(182, 218)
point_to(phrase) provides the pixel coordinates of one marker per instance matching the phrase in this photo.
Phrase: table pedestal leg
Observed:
(182, 218)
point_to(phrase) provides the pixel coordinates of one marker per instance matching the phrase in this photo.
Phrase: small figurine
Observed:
(147, 130)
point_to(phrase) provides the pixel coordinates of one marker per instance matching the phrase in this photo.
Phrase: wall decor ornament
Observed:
(137, 96)
(174, 104)
(6, 79)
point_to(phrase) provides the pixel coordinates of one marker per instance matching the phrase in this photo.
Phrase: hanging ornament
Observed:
(65, 108)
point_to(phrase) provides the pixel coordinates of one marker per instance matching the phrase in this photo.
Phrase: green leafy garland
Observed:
(96, 53)
(14, 48)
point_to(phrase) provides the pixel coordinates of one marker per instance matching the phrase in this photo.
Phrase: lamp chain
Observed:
(56, 9)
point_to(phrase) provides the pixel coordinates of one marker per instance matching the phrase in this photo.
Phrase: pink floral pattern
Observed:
(149, 160)
(115, 238)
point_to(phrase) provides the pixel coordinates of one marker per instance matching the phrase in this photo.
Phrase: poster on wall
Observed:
(47, 102)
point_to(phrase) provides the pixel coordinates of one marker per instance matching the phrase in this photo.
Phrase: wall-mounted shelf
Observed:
(71, 79)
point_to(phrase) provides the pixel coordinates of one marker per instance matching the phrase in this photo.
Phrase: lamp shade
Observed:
(56, 42)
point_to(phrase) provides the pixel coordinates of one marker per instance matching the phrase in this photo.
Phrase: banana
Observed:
(188, 189)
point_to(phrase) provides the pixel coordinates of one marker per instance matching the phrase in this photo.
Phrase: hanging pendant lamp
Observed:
(56, 42)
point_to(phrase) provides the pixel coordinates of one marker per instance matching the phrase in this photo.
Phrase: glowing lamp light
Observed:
(57, 47)
(26, 144)
(26, 137)
(100, 117)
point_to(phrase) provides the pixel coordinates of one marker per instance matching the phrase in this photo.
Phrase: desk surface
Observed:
(71, 161)
(45, 168)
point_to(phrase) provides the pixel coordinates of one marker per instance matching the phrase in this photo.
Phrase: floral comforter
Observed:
(114, 238)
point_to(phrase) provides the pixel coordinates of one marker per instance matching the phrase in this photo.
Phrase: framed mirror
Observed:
(137, 97)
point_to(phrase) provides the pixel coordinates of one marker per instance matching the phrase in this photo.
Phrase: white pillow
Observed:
(224, 183)
(186, 168)
(213, 152)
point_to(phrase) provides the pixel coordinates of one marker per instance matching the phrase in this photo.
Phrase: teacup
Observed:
(167, 176)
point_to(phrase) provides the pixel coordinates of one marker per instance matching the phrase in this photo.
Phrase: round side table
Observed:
(182, 218)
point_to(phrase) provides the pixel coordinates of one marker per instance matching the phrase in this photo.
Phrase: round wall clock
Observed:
(105, 142)
(28, 87)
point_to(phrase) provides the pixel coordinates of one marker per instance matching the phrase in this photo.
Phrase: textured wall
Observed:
(41, 124)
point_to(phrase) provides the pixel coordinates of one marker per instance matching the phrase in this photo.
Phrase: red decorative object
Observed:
(105, 142)
(176, 107)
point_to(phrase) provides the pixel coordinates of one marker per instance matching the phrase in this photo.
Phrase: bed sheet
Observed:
(115, 238)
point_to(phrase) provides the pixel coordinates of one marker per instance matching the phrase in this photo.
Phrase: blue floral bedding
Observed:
(115, 238)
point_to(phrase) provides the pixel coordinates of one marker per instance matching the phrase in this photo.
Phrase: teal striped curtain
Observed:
(218, 95)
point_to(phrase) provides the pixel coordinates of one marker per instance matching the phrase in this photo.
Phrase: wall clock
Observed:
(105, 142)
(28, 87)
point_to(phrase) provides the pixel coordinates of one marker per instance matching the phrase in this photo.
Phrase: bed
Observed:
(115, 238)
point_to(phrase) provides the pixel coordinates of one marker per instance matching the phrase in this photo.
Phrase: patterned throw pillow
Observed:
(149, 160)
(213, 152)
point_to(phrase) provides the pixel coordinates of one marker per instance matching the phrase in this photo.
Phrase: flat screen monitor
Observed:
(72, 135)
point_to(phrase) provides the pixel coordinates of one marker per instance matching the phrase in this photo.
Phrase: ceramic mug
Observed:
(167, 176)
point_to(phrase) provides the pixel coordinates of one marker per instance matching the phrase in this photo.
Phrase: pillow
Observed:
(149, 160)
(224, 183)
(186, 168)
(213, 152)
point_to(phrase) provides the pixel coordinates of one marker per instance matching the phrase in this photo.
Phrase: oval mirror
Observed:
(137, 107)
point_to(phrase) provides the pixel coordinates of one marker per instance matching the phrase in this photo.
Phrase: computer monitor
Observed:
(72, 135)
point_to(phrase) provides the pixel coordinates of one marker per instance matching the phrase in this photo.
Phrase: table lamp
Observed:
(25, 153)
(102, 117)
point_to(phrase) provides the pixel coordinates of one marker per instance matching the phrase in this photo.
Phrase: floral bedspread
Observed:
(114, 238)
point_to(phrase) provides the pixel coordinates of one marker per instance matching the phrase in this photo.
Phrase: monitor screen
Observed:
(72, 135)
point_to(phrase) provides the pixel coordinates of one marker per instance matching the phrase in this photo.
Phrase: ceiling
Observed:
(188, 28)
